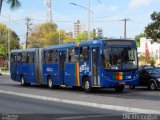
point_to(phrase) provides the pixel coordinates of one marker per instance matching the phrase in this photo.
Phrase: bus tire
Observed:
(23, 83)
(50, 83)
(119, 88)
(86, 85)
(132, 87)
(152, 86)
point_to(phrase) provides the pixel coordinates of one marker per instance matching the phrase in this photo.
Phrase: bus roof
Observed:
(88, 42)
(71, 44)
(23, 50)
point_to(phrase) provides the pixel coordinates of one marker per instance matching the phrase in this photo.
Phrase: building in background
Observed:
(78, 28)
(149, 49)
(70, 34)
(98, 33)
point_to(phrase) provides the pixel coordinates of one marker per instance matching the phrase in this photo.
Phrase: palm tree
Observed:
(13, 4)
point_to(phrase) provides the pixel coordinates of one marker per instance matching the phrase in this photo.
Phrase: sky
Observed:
(107, 15)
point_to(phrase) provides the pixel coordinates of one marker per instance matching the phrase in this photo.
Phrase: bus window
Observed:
(119, 58)
(24, 57)
(72, 56)
(31, 57)
(54, 56)
(51, 57)
(84, 53)
(45, 57)
(13, 59)
(19, 58)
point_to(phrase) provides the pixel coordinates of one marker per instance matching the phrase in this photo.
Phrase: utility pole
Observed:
(9, 45)
(125, 27)
(1, 1)
(28, 25)
(89, 19)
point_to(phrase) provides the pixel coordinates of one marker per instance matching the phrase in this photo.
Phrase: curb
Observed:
(89, 104)
(4, 73)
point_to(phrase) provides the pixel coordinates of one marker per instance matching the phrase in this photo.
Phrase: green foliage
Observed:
(143, 60)
(68, 39)
(46, 27)
(153, 29)
(14, 3)
(84, 36)
(46, 34)
(137, 38)
(152, 62)
(14, 41)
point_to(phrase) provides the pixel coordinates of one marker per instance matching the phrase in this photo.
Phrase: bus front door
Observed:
(62, 57)
(95, 67)
(13, 67)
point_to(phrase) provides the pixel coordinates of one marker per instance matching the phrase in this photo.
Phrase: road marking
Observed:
(81, 117)
(89, 104)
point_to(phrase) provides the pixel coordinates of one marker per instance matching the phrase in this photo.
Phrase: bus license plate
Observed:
(122, 83)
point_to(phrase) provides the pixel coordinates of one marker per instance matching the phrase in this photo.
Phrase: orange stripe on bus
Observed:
(77, 74)
(119, 76)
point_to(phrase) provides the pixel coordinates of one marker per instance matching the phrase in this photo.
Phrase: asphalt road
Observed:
(12, 106)
(28, 108)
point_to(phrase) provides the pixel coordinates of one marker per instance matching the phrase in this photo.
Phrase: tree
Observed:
(153, 29)
(13, 4)
(137, 38)
(54, 38)
(84, 36)
(46, 34)
(69, 39)
(14, 41)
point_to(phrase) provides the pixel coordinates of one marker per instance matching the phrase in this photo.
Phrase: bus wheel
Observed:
(132, 87)
(50, 83)
(86, 86)
(119, 88)
(152, 86)
(23, 81)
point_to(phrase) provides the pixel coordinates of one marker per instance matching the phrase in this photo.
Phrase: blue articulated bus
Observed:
(25, 66)
(90, 64)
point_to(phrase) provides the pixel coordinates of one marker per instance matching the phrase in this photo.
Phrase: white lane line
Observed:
(89, 104)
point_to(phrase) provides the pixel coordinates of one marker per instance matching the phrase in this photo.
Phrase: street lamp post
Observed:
(89, 18)
(9, 56)
(89, 11)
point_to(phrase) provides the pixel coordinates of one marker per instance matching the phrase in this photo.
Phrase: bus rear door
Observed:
(72, 68)
(13, 68)
(62, 57)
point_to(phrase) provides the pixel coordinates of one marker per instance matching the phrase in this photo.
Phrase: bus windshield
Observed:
(119, 58)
